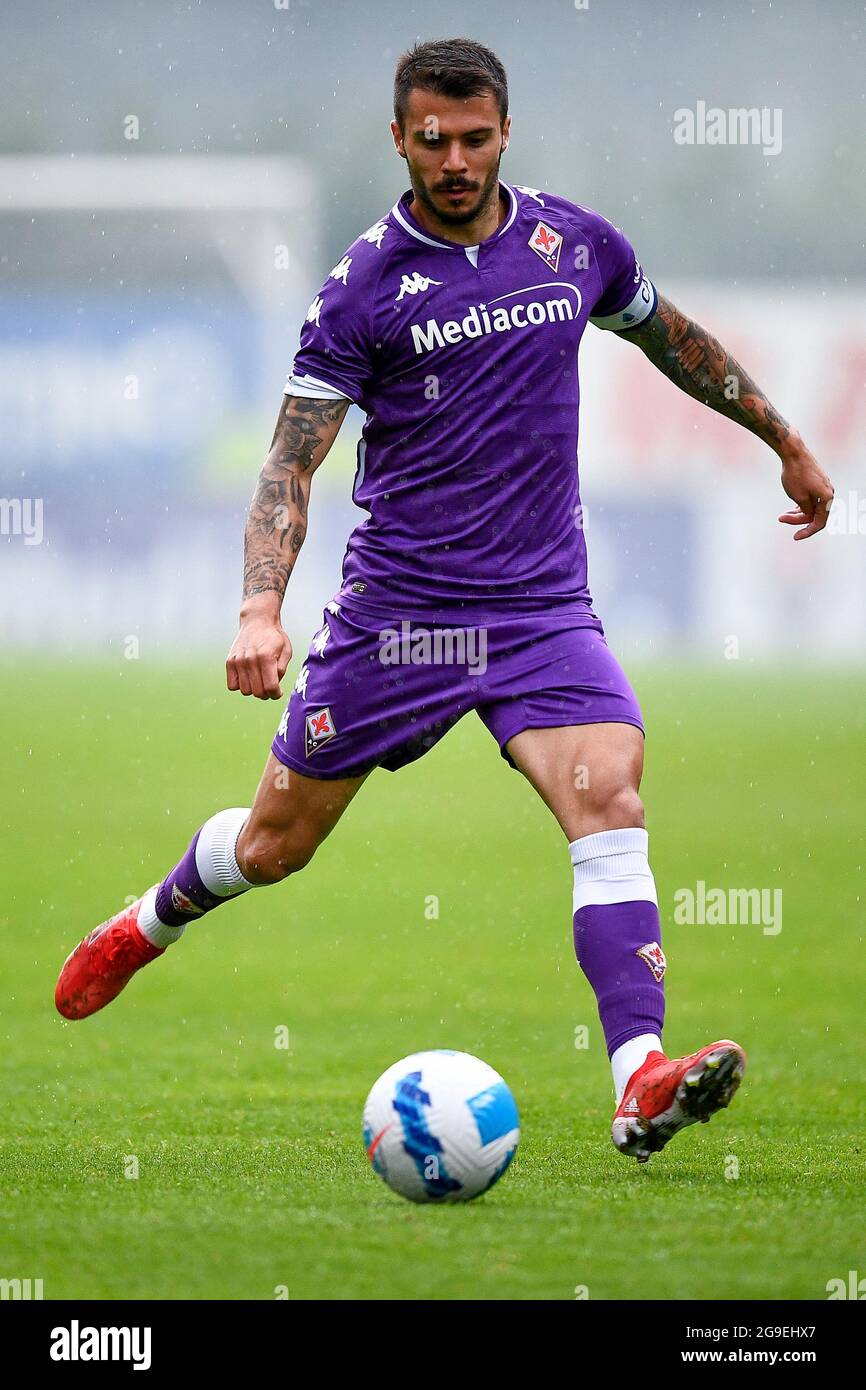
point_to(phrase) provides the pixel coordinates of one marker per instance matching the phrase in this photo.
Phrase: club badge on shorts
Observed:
(547, 244)
(318, 729)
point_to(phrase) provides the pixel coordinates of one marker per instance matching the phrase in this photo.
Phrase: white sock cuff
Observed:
(608, 842)
(157, 932)
(215, 856)
(612, 866)
(631, 1055)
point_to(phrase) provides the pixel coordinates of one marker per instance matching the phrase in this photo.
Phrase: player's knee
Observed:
(269, 856)
(617, 808)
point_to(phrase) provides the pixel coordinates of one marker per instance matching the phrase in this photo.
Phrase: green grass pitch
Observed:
(251, 1173)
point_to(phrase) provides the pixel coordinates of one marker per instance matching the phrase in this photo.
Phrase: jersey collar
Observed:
(402, 215)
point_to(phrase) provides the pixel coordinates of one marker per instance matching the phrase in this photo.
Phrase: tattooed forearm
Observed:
(697, 363)
(277, 518)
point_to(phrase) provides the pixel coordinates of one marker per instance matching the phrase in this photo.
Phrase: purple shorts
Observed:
(379, 691)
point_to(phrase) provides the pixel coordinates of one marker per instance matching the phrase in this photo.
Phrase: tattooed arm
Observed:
(275, 531)
(697, 363)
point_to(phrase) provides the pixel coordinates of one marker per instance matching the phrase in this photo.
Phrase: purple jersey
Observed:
(465, 362)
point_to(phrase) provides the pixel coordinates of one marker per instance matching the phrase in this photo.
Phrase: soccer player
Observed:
(454, 323)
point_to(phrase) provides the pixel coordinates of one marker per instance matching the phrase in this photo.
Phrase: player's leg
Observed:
(289, 819)
(244, 847)
(589, 776)
(235, 850)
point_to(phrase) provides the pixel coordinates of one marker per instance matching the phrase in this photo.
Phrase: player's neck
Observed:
(463, 233)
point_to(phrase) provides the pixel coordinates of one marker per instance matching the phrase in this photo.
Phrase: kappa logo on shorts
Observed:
(181, 903)
(654, 956)
(318, 729)
(547, 244)
(321, 639)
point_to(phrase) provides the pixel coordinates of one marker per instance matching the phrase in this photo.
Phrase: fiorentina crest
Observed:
(654, 956)
(547, 244)
(319, 728)
(181, 903)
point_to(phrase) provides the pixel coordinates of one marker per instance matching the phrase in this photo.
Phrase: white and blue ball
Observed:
(440, 1126)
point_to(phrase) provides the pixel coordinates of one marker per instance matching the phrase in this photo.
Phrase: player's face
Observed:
(453, 148)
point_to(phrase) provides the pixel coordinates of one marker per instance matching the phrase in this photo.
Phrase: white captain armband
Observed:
(312, 388)
(641, 307)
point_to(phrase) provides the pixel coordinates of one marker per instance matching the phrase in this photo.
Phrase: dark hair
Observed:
(451, 68)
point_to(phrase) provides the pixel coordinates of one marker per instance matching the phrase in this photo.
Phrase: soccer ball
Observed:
(440, 1126)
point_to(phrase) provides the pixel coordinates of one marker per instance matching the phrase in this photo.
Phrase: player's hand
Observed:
(259, 657)
(807, 484)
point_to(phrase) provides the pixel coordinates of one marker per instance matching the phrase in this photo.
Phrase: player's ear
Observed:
(397, 135)
(506, 132)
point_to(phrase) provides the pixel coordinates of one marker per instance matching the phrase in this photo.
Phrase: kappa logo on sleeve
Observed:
(375, 234)
(547, 244)
(341, 270)
(318, 730)
(654, 956)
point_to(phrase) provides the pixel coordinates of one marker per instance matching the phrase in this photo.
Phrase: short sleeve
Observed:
(335, 354)
(628, 297)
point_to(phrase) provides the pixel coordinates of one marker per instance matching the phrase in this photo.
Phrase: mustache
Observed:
(460, 185)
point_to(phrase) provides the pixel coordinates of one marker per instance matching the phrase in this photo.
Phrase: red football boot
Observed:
(665, 1095)
(103, 964)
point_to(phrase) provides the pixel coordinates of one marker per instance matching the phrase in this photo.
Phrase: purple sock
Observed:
(618, 947)
(207, 875)
(182, 894)
(617, 933)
